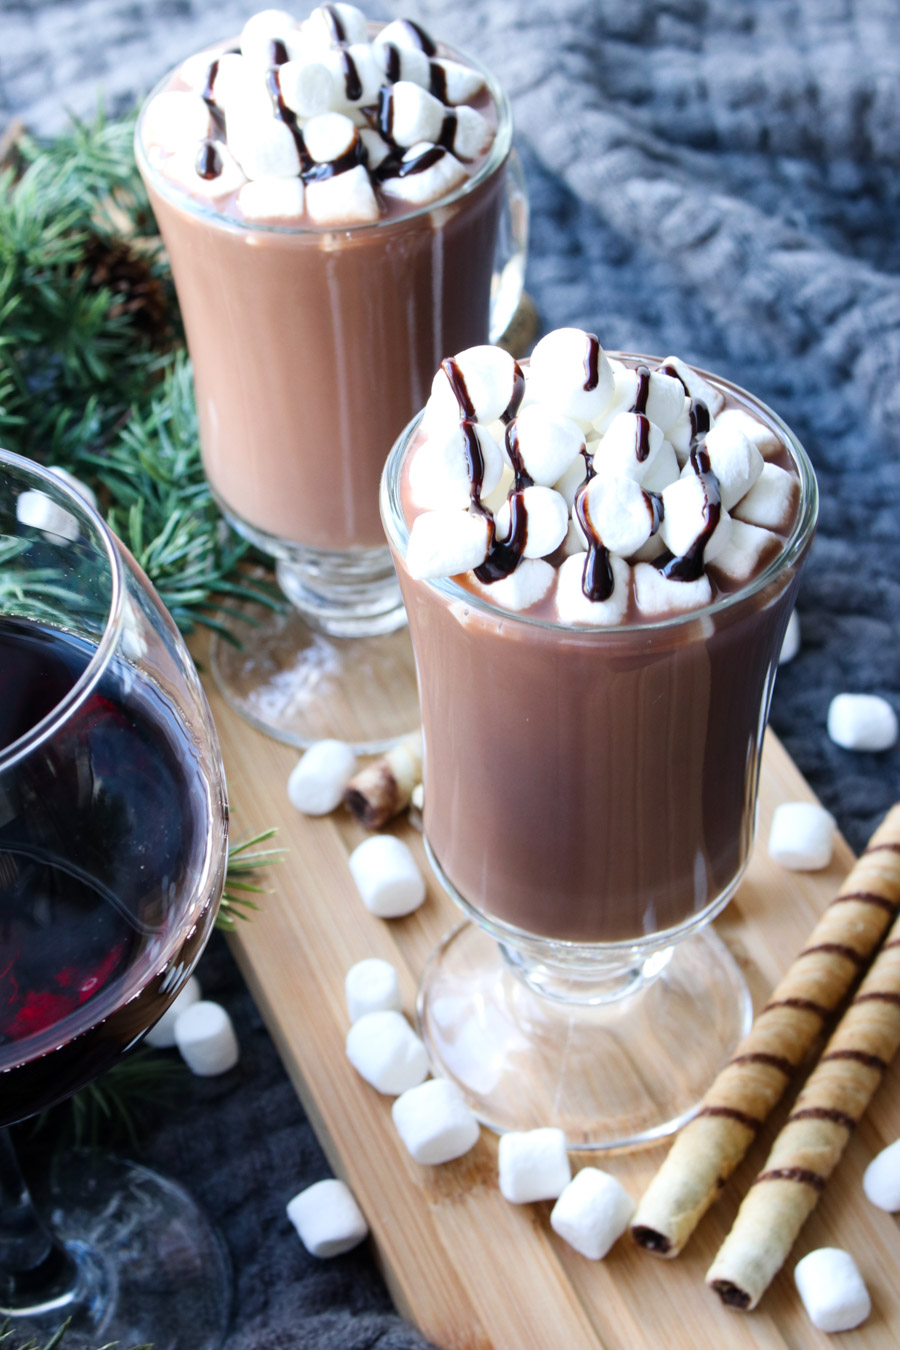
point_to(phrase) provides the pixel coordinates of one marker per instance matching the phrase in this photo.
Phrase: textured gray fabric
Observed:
(716, 178)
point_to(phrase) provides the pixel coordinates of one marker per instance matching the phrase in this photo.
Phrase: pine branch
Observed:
(10, 1339)
(236, 898)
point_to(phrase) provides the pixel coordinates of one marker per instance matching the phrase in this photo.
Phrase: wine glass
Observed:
(113, 848)
(590, 805)
(312, 346)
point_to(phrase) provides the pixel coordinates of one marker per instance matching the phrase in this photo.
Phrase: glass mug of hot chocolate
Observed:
(340, 208)
(599, 556)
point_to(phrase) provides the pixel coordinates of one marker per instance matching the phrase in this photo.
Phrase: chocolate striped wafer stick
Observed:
(710, 1146)
(810, 1145)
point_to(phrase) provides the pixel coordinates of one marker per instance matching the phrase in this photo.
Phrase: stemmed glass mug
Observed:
(590, 805)
(113, 849)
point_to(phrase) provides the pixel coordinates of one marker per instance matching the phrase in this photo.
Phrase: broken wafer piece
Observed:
(810, 1145)
(710, 1146)
(384, 788)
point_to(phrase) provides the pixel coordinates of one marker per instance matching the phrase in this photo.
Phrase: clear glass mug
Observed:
(590, 804)
(312, 347)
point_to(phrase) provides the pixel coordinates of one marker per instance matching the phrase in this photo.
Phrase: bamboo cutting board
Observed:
(472, 1271)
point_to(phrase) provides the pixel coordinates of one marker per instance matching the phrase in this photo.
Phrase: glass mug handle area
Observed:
(508, 279)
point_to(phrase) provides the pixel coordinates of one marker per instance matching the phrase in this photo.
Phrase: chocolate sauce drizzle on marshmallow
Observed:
(689, 567)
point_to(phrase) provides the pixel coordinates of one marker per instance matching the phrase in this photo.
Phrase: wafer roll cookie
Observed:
(810, 1145)
(383, 788)
(709, 1147)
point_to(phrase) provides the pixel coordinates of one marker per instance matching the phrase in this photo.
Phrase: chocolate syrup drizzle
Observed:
(689, 567)
(209, 161)
(394, 164)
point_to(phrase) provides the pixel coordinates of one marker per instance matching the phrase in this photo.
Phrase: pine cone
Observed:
(115, 265)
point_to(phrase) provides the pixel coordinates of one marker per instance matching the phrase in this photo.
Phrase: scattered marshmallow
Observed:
(549, 446)
(458, 83)
(881, 1179)
(386, 1052)
(327, 1218)
(174, 116)
(75, 484)
(547, 520)
(372, 986)
(271, 199)
(534, 1165)
(861, 722)
(574, 607)
(771, 500)
(619, 512)
(489, 375)
(329, 24)
(206, 1040)
(762, 436)
(802, 836)
(592, 1213)
(790, 644)
(744, 552)
(445, 543)
(685, 511)
(657, 594)
(387, 876)
(628, 448)
(562, 374)
(435, 1123)
(317, 782)
(415, 114)
(440, 173)
(307, 88)
(734, 460)
(262, 31)
(329, 136)
(162, 1035)
(832, 1289)
(41, 512)
(523, 588)
(345, 199)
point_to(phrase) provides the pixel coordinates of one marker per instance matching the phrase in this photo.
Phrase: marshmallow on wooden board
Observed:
(386, 1052)
(528, 583)
(414, 114)
(734, 460)
(329, 136)
(770, 501)
(206, 1040)
(41, 512)
(162, 1034)
(762, 436)
(327, 1218)
(454, 82)
(881, 1179)
(569, 371)
(534, 1165)
(489, 377)
(445, 543)
(693, 381)
(833, 1291)
(628, 448)
(387, 876)
(548, 445)
(271, 199)
(435, 1123)
(263, 31)
(862, 722)
(790, 644)
(592, 1212)
(802, 836)
(329, 25)
(546, 521)
(619, 512)
(372, 986)
(427, 172)
(75, 484)
(574, 607)
(317, 782)
(685, 512)
(307, 88)
(656, 594)
(356, 75)
(744, 553)
(264, 147)
(175, 116)
(344, 199)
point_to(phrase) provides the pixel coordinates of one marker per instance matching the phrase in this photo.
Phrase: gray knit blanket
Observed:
(715, 178)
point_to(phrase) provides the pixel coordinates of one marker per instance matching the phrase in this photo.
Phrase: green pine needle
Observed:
(9, 1340)
(237, 902)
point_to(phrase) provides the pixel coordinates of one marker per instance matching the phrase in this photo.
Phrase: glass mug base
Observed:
(610, 1072)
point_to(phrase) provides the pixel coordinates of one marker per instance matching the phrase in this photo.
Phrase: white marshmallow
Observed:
(403, 33)
(425, 185)
(377, 149)
(355, 73)
(445, 543)
(570, 482)
(574, 607)
(317, 782)
(262, 30)
(664, 404)
(175, 116)
(489, 375)
(345, 199)
(435, 1123)
(653, 548)
(523, 588)
(620, 513)
(881, 1179)
(592, 1213)
(534, 1165)
(409, 63)
(320, 29)
(387, 876)
(628, 435)
(697, 387)
(680, 435)
(41, 512)
(263, 146)
(472, 133)
(239, 90)
(663, 471)
(458, 83)
(181, 167)
(206, 1040)
(327, 1218)
(790, 644)
(684, 519)
(548, 445)
(329, 136)
(765, 440)
(494, 499)
(386, 1052)
(560, 370)
(771, 499)
(162, 1035)
(832, 1289)
(372, 986)
(307, 88)
(75, 484)
(744, 550)
(734, 460)
(861, 722)
(547, 519)
(447, 464)
(272, 199)
(802, 836)
(656, 594)
(416, 114)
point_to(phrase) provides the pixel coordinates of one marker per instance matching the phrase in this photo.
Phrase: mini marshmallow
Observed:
(790, 644)
(489, 375)
(435, 1123)
(861, 722)
(175, 116)
(387, 876)
(419, 186)
(523, 588)
(262, 31)
(664, 403)
(338, 23)
(263, 146)
(406, 34)
(574, 607)
(697, 387)
(185, 164)
(685, 519)
(573, 479)
(386, 1052)
(560, 372)
(346, 199)
(549, 446)
(592, 1213)
(206, 1040)
(416, 115)
(620, 513)
(680, 435)
(271, 199)
(455, 82)
(40, 512)
(734, 460)
(472, 133)
(832, 1289)
(162, 1035)
(355, 73)
(770, 501)
(493, 500)
(372, 986)
(327, 1218)
(656, 594)
(445, 543)
(802, 836)
(743, 553)
(629, 436)
(547, 519)
(402, 63)
(534, 1165)
(881, 1179)
(765, 440)
(377, 149)
(75, 484)
(653, 549)
(663, 471)
(329, 136)
(239, 90)
(451, 483)
(316, 785)
(307, 88)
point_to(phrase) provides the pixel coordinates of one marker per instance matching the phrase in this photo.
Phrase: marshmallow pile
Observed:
(600, 490)
(314, 120)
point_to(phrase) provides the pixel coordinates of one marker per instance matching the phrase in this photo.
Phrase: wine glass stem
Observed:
(35, 1268)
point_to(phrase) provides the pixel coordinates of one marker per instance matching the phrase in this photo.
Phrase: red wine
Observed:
(104, 841)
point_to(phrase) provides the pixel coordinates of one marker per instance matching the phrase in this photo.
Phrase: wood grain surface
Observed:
(472, 1271)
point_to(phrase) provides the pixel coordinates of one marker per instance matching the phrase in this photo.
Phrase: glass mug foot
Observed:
(612, 1072)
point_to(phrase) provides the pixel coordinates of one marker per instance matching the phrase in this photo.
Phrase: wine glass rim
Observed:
(100, 658)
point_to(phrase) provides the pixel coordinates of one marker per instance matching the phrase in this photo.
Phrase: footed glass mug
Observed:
(590, 804)
(113, 849)
(312, 346)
